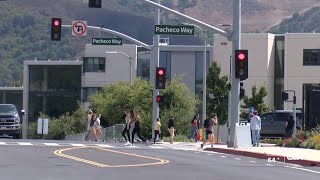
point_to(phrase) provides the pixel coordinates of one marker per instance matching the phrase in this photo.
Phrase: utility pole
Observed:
(235, 82)
(154, 64)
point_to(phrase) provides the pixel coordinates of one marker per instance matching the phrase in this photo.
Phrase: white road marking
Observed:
(24, 143)
(78, 145)
(269, 164)
(222, 156)
(3, 143)
(156, 147)
(237, 159)
(252, 161)
(104, 145)
(302, 169)
(51, 144)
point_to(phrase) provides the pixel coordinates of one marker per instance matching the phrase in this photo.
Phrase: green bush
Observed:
(317, 147)
(60, 127)
(293, 142)
(271, 141)
(178, 138)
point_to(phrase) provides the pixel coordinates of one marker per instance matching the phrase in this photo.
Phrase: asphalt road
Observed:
(28, 162)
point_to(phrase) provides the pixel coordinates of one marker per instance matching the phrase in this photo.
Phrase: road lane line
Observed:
(237, 159)
(223, 156)
(252, 161)
(105, 145)
(269, 164)
(78, 145)
(303, 169)
(156, 147)
(60, 153)
(3, 143)
(24, 143)
(51, 144)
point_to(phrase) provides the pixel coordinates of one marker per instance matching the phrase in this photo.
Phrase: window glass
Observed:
(267, 118)
(311, 57)
(94, 64)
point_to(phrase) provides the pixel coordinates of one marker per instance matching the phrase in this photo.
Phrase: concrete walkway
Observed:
(272, 153)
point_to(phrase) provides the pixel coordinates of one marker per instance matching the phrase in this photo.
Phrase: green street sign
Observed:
(106, 41)
(174, 29)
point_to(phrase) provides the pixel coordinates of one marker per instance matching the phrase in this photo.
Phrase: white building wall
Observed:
(295, 73)
(183, 63)
(261, 60)
(117, 66)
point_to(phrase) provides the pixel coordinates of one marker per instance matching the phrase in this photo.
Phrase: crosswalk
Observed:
(101, 145)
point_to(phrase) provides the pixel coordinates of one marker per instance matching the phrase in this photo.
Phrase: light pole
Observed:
(204, 69)
(130, 61)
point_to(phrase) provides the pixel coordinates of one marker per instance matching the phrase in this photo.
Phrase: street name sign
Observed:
(174, 29)
(106, 41)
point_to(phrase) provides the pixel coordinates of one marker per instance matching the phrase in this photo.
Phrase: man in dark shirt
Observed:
(289, 127)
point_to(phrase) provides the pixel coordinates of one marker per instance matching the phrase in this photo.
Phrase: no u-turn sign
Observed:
(79, 28)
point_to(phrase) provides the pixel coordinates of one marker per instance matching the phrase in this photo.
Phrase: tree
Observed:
(256, 101)
(113, 99)
(217, 86)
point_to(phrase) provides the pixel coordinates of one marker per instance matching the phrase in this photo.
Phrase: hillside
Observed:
(25, 25)
(303, 22)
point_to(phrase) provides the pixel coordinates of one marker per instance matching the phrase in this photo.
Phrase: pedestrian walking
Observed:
(255, 126)
(90, 130)
(209, 126)
(126, 130)
(157, 130)
(97, 127)
(194, 127)
(171, 128)
(136, 129)
(289, 127)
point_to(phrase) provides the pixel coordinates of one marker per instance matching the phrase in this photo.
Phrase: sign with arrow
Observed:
(79, 28)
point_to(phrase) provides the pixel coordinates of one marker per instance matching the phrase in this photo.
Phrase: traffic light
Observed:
(160, 78)
(160, 99)
(241, 60)
(56, 29)
(242, 91)
(285, 96)
(94, 3)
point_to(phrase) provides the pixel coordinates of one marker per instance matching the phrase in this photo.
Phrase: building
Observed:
(280, 62)
(56, 87)
(11, 95)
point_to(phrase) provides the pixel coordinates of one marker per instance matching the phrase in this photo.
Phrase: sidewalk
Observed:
(272, 153)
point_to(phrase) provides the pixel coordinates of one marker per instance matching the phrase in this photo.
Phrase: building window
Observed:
(143, 67)
(311, 57)
(88, 91)
(279, 72)
(94, 64)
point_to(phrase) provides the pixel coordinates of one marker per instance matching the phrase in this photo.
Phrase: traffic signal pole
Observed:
(156, 52)
(235, 82)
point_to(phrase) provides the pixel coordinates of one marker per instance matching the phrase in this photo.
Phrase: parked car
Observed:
(273, 124)
(10, 123)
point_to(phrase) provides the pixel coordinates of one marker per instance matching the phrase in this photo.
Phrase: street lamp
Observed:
(130, 61)
(204, 67)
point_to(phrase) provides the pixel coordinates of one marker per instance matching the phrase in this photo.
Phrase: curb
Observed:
(274, 158)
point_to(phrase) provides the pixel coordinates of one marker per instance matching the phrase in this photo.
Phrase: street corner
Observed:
(291, 159)
(107, 158)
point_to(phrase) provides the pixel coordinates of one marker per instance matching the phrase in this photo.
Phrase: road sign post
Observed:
(79, 28)
(43, 126)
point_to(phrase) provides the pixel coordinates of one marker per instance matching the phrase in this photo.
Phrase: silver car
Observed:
(273, 124)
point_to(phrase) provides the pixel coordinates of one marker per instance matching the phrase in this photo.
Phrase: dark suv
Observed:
(10, 121)
(273, 124)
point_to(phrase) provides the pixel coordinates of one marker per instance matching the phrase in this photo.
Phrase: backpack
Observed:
(206, 123)
(92, 121)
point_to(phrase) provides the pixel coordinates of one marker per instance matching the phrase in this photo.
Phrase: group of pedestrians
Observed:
(129, 120)
(93, 127)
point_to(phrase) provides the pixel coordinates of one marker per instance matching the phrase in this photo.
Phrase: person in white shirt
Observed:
(255, 126)
(97, 127)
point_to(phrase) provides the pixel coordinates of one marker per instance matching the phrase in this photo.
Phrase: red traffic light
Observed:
(160, 72)
(241, 56)
(158, 99)
(56, 23)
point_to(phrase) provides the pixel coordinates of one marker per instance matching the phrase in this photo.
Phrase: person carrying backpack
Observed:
(205, 127)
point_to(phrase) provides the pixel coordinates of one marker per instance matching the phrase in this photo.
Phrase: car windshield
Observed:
(8, 109)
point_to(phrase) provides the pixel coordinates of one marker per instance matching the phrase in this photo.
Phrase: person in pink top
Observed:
(194, 127)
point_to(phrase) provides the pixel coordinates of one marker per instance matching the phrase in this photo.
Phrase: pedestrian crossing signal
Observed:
(159, 99)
